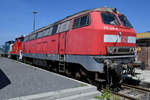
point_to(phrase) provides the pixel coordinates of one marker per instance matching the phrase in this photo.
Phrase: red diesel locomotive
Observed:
(16, 51)
(95, 44)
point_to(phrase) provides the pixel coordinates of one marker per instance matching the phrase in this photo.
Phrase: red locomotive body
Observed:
(99, 40)
(17, 48)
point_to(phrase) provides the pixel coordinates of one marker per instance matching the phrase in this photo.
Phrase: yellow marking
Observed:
(143, 35)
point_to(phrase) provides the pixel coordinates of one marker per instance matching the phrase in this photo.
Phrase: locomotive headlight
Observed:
(132, 50)
(114, 50)
(110, 50)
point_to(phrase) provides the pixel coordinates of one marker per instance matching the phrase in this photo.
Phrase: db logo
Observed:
(124, 39)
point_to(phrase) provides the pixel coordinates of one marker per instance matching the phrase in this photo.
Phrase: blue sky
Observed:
(16, 16)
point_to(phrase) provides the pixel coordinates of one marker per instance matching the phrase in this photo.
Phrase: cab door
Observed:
(63, 31)
(62, 43)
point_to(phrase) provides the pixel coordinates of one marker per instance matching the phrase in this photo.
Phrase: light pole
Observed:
(34, 13)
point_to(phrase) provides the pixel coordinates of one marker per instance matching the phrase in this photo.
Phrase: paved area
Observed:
(18, 79)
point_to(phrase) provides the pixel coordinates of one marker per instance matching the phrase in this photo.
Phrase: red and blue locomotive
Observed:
(96, 44)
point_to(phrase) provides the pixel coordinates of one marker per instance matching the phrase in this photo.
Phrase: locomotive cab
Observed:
(17, 48)
(119, 42)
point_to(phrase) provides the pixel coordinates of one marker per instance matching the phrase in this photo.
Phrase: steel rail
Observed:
(124, 96)
(135, 87)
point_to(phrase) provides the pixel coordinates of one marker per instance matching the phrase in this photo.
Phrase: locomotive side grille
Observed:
(123, 49)
(120, 50)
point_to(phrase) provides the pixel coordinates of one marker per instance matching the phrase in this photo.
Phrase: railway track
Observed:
(130, 92)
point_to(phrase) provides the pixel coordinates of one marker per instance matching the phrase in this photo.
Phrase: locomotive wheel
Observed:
(23, 60)
(68, 72)
(53, 66)
(86, 76)
(89, 80)
(78, 75)
(55, 69)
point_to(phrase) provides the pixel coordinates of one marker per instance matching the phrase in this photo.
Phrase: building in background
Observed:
(143, 48)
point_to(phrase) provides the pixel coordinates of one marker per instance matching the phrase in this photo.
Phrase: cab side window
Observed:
(81, 22)
(109, 18)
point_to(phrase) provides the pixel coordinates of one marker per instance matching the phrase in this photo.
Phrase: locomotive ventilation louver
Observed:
(121, 50)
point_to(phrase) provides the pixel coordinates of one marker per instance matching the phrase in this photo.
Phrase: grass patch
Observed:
(106, 94)
(83, 85)
(76, 86)
(99, 97)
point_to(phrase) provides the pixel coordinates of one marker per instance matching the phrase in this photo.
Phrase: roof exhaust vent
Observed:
(114, 10)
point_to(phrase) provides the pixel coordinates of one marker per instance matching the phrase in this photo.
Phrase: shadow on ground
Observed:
(4, 80)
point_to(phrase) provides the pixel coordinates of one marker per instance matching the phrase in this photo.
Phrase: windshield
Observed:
(109, 18)
(125, 21)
